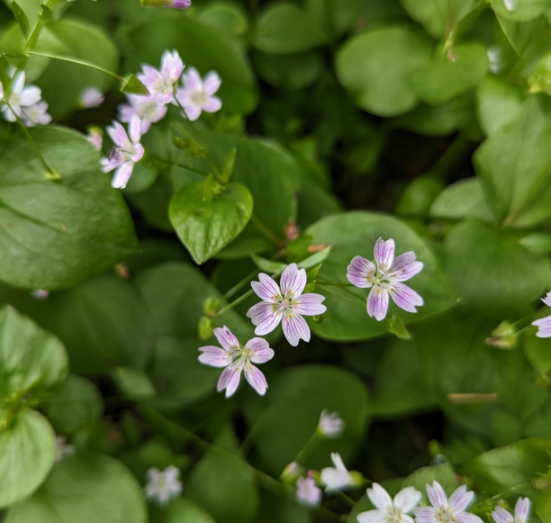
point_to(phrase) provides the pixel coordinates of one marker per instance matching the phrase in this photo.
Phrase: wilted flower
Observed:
(125, 153)
(160, 83)
(95, 137)
(91, 97)
(236, 358)
(36, 114)
(522, 509)
(330, 425)
(388, 510)
(176, 4)
(308, 493)
(451, 511)
(197, 95)
(386, 278)
(62, 449)
(544, 324)
(163, 485)
(145, 108)
(337, 478)
(287, 304)
(19, 98)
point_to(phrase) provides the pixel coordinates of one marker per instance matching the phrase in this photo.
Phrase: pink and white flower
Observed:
(389, 510)
(236, 358)
(91, 97)
(36, 114)
(197, 95)
(330, 425)
(145, 108)
(522, 509)
(308, 493)
(125, 154)
(95, 137)
(175, 4)
(161, 83)
(385, 278)
(286, 304)
(163, 485)
(62, 449)
(19, 97)
(443, 509)
(338, 477)
(544, 324)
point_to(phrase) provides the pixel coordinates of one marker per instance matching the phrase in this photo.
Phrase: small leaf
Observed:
(132, 85)
(315, 259)
(229, 163)
(297, 250)
(205, 228)
(396, 326)
(21, 19)
(537, 242)
(268, 265)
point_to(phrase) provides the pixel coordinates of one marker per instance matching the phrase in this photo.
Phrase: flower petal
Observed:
(261, 351)
(465, 517)
(293, 280)
(122, 175)
(215, 356)
(547, 299)
(338, 462)
(135, 129)
(30, 95)
(377, 303)
(500, 515)
(425, 514)
(229, 380)
(379, 497)
(460, 499)
(295, 328)
(266, 288)
(212, 83)
(544, 324)
(192, 80)
(226, 338)
(407, 498)
(405, 297)
(212, 104)
(437, 496)
(18, 82)
(192, 112)
(384, 253)
(265, 317)
(522, 509)
(405, 267)
(310, 304)
(171, 66)
(118, 135)
(256, 379)
(372, 516)
(358, 272)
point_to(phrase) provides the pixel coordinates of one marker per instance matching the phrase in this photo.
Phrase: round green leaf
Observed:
(520, 10)
(424, 476)
(375, 66)
(355, 233)
(462, 199)
(287, 417)
(181, 510)
(206, 227)
(542, 505)
(335, 17)
(228, 18)
(86, 488)
(27, 452)
(491, 270)
(63, 231)
(30, 358)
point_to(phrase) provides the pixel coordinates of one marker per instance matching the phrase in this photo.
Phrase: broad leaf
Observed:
(520, 10)
(462, 199)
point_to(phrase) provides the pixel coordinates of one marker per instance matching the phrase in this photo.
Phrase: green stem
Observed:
(332, 284)
(310, 445)
(266, 232)
(234, 303)
(238, 286)
(355, 302)
(172, 164)
(459, 150)
(343, 497)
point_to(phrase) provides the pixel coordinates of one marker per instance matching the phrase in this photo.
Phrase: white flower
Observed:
(91, 97)
(62, 449)
(337, 478)
(125, 153)
(308, 493)
(145, 108)
(388, 510)
(163, 485)
(444, 510)
(330, 425)
(198, 95)
(19, 97)
(36, 114)
(95, 137)
(161, 83)
(522, 509)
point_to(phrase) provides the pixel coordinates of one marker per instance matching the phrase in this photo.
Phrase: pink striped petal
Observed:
(266, 288)
(226, 338)
(295, 328)
(212, 83)
(377, 303)
(135, 129)
(522, 508)
(229, 380)
(405, 267)
(212, 104)
(310, 304)
(372, 516)
(407, 498)
(261, 351)
(122, 175)
(460, 499)
(437, 496)
(118, 135)
(426, 514)
(379, 497)
(465, 517)
(405, 297)
(384, 253)
(192, 80)
(544, 327)
(257, 379)
(500, 515)
(293, 280)
(264, 317)
(547, 299)
(192, 112)
(171, 66)
(358, 272)
(215, 356)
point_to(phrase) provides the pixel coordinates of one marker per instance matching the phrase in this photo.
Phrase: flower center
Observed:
(394, 515)
(444, 515)
(199, 98)
(285, 303)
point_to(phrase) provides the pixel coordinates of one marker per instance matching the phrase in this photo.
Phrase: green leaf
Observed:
(22, 19)
(133, 85)
(335, 17)
(27, 452)
(30, 358)
(134, 383)
(315, 259)
(86, 488)
(46, 245)
(228, 18)
(76, 405)
(205, 47)
(355, 233)
(182, 510)
(268, 265)
(224, 485)
(498, 274)
(375, 66)
(284, 28)
(528, 39)
(462, 199)
(443, 474)
(537, 350)
(516, 465)
(206, 227)
(419, 195)
(520, 10)
(537, 242)
(438, 17)
(542, 505)
(287, 417)
(514, 166)
(447, 76)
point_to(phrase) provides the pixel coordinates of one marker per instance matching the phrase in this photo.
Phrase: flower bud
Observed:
(211, 306)
(175, 4)
(205, 328)
(291, 473)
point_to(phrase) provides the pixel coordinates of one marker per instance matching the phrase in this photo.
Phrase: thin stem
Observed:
(238, 286)
(172, 164)
(332, 284)
(362, 304)
(343, 497)
(310, 445)
(459, 150)
(266, 232)
(234, 303)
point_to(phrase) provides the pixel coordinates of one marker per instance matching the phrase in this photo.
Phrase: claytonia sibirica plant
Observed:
(285, 303)
(236, 359)
(308, 493)
(385, 278)
(91, 97)
(197, 95)
(36, 114)
(389, 510)
(522, 510)
(163, 485)
(162, 82)
(450, 510)
(544, 324)
(19, 98)
(145, 108)
(330, 425)
(125, 154)
(337, 477)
